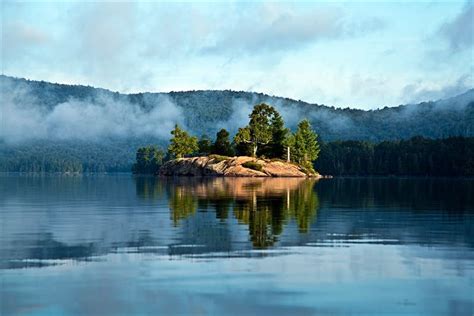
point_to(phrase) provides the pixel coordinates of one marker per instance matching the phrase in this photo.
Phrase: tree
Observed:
(259, 130)
(148, 160)
(305, 148)
(242, 147)
(181, 144)
(222, 145)
(277, 146)
(205, 145)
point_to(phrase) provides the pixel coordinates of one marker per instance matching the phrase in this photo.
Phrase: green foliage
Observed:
(242, 141)
(242, 148)
(181, 144)
(222, 145)
(218, 158)
(182, 204)
(266, 217)
(253, 165)
(305, 147)
(303, 205)
(204, 145)
(202, 110)
(71, 156)
(276, 148)
(265, 134)
(417, 156)
(148, 160)
(259, 125)
(440, 119)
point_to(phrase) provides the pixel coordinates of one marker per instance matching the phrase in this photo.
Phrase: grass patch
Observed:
(253, 165)
(218, 158)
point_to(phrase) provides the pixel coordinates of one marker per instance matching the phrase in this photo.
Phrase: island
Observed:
(263, 148)
(239, 166)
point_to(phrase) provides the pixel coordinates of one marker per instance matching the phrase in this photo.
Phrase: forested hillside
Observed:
(417, 156)
(203, 112)
(48, 126)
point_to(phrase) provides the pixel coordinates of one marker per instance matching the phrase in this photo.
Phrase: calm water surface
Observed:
(121, 245)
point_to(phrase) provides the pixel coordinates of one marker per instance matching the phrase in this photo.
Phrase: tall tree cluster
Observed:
(265, 136)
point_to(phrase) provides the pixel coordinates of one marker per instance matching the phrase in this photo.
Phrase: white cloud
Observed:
(98, 118)
(428, 91)
(279, 27)
(340, 54)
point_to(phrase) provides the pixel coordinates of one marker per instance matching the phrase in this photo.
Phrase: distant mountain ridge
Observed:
(204, 110)
(41, 119)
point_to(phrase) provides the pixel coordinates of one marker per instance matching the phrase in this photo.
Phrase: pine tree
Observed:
(205, 145)
(305, 148)
(222, 145)
(181, 144)
(277, 146)
(148, 160)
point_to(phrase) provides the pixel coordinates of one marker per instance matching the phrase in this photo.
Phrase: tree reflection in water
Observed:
(148, 187)
(182, 204)
(265, 205)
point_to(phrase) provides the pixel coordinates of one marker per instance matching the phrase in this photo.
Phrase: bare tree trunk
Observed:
(255, 151)
(288, 154)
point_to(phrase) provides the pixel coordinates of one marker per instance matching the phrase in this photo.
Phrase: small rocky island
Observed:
(242, 166)
(263, 148)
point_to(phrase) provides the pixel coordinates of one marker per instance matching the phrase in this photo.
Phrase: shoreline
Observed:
(237, 166)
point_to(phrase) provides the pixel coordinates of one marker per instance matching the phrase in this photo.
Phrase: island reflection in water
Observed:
(265, 205)
(235, 246)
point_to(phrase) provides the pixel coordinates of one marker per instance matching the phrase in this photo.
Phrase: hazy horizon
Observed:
(468, 89)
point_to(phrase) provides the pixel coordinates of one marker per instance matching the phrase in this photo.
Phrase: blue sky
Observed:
(358, 54)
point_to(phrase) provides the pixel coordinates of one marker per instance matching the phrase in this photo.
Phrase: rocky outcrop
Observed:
(232, 167)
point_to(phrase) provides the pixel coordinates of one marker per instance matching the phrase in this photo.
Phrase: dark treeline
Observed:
(70, 156)
(417, 156)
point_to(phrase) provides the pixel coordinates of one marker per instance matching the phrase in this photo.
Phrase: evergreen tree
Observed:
(222, 145)
(305, 148)
(242, 148)
(277, 147)
(205, 145)
(181, 144)
(148, 160)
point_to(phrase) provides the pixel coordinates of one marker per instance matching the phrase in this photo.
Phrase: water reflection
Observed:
(452, 195)
(264, 205)
(77, 218)
(235, 246)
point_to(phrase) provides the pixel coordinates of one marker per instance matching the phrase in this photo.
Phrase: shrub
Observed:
(253, 165)
(307, 168)
(218, 158)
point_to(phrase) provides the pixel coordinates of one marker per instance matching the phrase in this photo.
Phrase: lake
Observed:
(121, 245)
